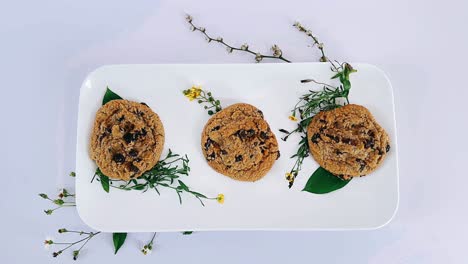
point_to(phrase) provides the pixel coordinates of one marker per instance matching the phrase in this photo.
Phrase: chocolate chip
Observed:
(263, 135)
(334, 138)
(369, 143)
(143, 132)
(239, 158)
(212, 156)
(122, 118)
(137, 159)
(387, 148)
(118, 157)
(250, 133)
(260, 112)
(129, 137)
(262, 143)
(208, 143)
(362, 164)
(337, 152)
(241, 133)
(108, 130)
(346, 140)
(251, 156)
(380, 152)
(134, 168)
(129, 127)
(228, 166)
(224, 152)
(133, 153)
(315, 138)
(216, 128)
(255, 143)
(278, 155)
(322, 121)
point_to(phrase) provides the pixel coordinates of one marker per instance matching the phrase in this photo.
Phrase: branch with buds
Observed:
(67, 245)
(276, 51)
(316, 42)
(64, 199)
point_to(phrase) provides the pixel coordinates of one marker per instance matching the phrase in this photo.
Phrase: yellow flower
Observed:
(289, 176)
(220, 198)
(193, 92)
(292, 118)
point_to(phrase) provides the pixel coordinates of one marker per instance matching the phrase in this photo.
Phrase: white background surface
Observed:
(48, 47)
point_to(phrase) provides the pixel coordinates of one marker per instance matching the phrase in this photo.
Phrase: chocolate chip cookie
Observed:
(347, 141)
(239, 143)
(127, 139)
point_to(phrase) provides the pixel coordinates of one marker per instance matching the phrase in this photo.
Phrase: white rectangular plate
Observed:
(365, 203)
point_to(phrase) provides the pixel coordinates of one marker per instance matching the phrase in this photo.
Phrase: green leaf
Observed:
(119, 240)
(336, 75)
(183, 186)
(187, 233)
(346, 84)
(109, 96)
(104, 182)
(323, 181)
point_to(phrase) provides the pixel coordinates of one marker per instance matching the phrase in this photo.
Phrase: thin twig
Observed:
(277, 53)
(315, 40)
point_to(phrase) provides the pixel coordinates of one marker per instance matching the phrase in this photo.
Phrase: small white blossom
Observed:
(219, 39)
(309, 33)
(244, 46)
(208, 39)
(147, 249)
(320, 46)
(276, 51)
(188, 18)
(202, 29)
(192, 28)
(296, 24)
(258, 57)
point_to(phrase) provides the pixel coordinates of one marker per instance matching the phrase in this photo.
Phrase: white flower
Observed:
(258, 57)
(147, 249)
(188, 18)
(276, 51)
(244, 46)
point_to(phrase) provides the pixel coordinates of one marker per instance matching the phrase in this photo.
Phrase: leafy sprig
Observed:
(64, 199)
(277, 53)
(166, 173)
(81, 242)
(313, 102)
(203, 98)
